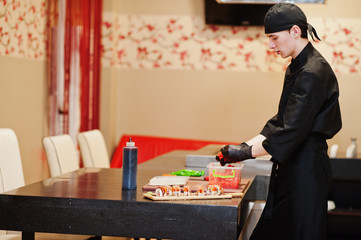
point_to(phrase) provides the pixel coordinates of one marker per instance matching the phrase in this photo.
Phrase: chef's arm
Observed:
(257, 139)
(246, 150)
(257, 148)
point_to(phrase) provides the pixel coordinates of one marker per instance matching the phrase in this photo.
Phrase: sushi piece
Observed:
(212, 190)
(219, 189)
(209, 190)
(159, 192)
(168, 191)
(176, 191)
(186, 191)
(200, 191)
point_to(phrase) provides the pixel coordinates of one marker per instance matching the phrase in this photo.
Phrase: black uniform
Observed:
(308, 114)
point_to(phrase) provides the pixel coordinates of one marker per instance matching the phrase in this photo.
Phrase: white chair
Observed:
(11, 170)
(61, 154)
(93, 149)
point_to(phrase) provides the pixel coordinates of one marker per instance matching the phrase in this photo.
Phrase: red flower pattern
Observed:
(23, 28)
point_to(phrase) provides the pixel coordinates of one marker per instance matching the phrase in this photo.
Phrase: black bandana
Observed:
(283, 16)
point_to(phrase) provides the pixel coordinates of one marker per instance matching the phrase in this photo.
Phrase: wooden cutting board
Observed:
(193, 197)
(194, 184)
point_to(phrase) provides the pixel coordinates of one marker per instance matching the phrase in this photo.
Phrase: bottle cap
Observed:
(130, 143)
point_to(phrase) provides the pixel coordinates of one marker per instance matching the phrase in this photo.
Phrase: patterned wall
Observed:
(22, 29)
(185, 42)
(177, 42)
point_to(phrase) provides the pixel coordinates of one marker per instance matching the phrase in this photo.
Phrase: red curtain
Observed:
(74, 32)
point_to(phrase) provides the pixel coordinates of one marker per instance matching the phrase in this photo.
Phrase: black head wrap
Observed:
(283, 16)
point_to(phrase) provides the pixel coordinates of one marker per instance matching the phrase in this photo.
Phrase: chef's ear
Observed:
(295, 31)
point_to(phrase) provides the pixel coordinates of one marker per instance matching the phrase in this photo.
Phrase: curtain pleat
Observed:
(84, 62)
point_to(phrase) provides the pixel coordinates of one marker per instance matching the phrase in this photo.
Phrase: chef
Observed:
(308, 114)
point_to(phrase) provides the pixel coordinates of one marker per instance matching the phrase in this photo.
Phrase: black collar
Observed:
(301, 59)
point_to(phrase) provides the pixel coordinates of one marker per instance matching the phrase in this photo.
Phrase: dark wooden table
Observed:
(91, 201)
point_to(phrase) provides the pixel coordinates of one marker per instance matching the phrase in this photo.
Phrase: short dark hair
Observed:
(304, 30)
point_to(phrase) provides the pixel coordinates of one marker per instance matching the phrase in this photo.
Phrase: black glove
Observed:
(235, 153)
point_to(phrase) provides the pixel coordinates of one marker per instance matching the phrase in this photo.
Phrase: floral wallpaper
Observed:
(177, 42)
(342, 44)
(186, 42)
(23, 28)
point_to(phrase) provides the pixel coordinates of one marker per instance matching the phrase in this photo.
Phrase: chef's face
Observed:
(282, 43)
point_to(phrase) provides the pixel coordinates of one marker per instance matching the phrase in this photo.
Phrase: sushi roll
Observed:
(186, 191)
(213, 190)
(209, 190)
(200, 191)
(168, 191)
(219, 189)
(176, 191)
(159, 192)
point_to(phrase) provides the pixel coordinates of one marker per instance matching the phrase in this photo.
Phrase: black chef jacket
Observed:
(308, 114)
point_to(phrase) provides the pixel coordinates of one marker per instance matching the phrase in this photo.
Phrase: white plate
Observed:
(168, 180)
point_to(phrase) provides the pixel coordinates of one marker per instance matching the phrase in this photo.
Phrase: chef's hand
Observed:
(220, 158)
(234, 153)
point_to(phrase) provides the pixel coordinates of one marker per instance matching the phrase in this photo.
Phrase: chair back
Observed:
(11, 169)
(93, 149)
(61, 154)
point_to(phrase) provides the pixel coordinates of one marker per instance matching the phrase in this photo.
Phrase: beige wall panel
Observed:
(350, 101)
(23, 108)
(109, 108)
(209, 105)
